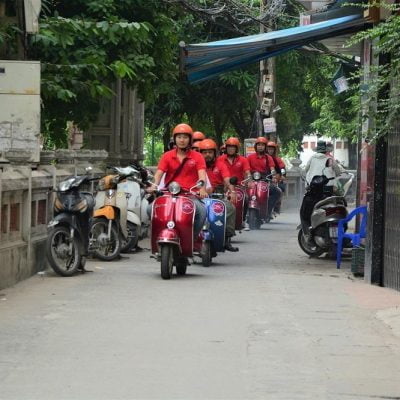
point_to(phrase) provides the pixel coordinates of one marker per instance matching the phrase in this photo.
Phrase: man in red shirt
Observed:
(238, 166)
(218, 176)
(280, 168)
(260, 161)
(186, 167)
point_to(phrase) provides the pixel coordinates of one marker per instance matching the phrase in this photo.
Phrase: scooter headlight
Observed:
(256, 176)
(174, 188)
(170, 224)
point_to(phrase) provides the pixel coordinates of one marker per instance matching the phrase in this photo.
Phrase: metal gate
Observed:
(391, 257)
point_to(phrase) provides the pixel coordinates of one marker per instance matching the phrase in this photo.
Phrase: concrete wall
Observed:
(26, 207)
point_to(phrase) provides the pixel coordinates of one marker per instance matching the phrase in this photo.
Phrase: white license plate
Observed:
(333, 231)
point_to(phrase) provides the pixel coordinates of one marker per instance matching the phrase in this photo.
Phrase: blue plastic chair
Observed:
(354, 237)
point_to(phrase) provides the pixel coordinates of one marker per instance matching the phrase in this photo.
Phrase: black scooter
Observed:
(68, 232)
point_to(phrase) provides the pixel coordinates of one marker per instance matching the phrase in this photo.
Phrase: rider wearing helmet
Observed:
(222, 149)
(238, 166)
(185, 167)
(218, 176)
(196, 145)
(198, 136)
(280, 168)
(260, 161)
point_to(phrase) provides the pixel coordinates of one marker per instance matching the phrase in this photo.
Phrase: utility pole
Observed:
(266, 92)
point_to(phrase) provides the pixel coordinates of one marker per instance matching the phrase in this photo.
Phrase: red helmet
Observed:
(272, 144)
(262, 140)
(196, 145)
(198, 136)
(233, 141)
(207, 144)
(183, 128)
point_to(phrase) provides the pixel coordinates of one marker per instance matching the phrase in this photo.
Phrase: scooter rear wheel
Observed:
(167, 261)
(131, 242)
(313, 251)
(63, 256)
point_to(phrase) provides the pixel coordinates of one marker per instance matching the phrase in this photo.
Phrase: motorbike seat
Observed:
(338, 200)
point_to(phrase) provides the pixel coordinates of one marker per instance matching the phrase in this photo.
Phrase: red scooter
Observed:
(258, 193)
(238, 202)
(172, 222)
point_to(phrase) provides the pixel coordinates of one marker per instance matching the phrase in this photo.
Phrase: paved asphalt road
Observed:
(264, 323)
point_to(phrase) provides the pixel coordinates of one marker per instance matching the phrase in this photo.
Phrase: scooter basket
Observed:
(357, 261)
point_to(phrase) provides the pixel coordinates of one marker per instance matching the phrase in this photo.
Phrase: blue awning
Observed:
(204, 61)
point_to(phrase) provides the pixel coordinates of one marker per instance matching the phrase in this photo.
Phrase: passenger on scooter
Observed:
(280, 168)
(186, 167)
(238, 166)
(319, 164)
(195, 146)
(218, 176)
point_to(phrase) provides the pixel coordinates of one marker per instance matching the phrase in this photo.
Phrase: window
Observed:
(4, 218)
(313, 145)
(42, 212)
(339, 145)
(14, 217)
(33, 214)
(346, 144)
(305, 145)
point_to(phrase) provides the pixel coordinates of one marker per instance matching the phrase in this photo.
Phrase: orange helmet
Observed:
(196, 145)
(207, 144)
(198, 136)
(183, 128)
(262, 140)
(233, 141)
(272, 144)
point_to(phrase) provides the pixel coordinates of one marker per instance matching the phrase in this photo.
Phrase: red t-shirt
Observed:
(262, 164)
(188, 176)
(216, 172)
(238, 168)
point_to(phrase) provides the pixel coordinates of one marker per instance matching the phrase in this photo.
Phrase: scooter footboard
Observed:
(216, 215)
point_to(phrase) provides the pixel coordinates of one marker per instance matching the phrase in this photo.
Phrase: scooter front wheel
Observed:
(253, 219)
(206, 254)
(312, 250)
(105, 248)
(62, 251)
(167, 261)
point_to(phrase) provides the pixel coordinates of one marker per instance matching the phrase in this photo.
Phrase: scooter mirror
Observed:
(200, 183)
(233, 180)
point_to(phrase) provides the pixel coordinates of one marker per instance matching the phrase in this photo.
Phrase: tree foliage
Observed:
(86, 45)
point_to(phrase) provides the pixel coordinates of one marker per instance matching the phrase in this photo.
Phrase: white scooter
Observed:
(138, 221)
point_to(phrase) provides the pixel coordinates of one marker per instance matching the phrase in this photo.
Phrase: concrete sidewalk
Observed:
(264, 323)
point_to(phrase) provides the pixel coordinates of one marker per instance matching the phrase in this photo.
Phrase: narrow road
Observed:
(264, 323)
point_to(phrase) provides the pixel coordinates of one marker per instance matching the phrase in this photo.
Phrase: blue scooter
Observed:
(216, 217)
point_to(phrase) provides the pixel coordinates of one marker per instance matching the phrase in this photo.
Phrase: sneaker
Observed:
(246, 227)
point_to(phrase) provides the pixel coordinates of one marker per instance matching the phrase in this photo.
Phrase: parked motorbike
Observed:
(327, 211)
(172, 241)
(138, 221)
(109, 223)
(68, 233)
(258, 193)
